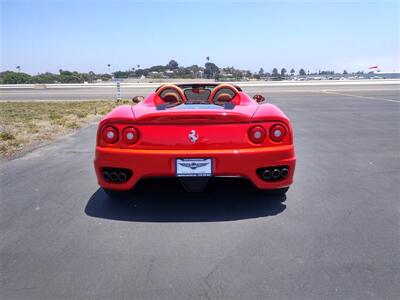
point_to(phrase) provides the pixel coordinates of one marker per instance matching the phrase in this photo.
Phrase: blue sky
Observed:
(45, 36)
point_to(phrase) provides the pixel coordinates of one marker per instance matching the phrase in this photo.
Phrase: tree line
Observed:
(170, 70)
(10, 77)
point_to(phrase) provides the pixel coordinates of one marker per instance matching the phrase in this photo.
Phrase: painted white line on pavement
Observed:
(358, 96)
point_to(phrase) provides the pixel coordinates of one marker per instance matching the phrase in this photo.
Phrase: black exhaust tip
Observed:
(114, 176)
(276, 173)
(122, 176)
(284, 172)
(106, 175)
(267, 174)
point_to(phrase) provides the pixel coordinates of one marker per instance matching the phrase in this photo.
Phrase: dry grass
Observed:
(25, 124)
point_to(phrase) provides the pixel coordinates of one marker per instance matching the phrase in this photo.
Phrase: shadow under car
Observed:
(163, 200)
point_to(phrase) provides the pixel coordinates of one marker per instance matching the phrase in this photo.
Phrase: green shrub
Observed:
(6, 136)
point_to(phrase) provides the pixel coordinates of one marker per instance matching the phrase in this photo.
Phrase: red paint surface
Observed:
(223, 135)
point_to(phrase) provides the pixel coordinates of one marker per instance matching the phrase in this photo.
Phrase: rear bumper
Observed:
(227, 162)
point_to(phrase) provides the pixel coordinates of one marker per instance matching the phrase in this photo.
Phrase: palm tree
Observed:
(18, 68)
(138, 66)
(208, 58)
(109, 69)
(91, 76)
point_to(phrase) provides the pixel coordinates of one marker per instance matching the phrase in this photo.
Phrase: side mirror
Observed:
(259, 98)
(137, 99)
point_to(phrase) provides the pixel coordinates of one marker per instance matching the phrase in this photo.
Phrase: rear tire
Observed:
(276, 192)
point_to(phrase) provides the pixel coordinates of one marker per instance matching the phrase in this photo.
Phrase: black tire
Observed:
(276, 192)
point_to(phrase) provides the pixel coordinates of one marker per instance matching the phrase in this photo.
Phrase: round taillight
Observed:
(110, 134)
(277, 133)
(130, 135)
(257, 134)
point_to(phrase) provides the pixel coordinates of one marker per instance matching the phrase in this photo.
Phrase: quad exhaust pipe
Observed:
(116, 175)
(274, 173)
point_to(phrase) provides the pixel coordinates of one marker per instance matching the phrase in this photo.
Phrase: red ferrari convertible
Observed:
(194, 132)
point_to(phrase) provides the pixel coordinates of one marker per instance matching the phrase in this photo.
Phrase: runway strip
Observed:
(358, 96)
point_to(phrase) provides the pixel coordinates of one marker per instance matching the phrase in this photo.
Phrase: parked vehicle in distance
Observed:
(194, 132)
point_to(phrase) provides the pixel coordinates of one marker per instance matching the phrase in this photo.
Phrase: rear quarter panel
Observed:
(122, 113)
(270, 112)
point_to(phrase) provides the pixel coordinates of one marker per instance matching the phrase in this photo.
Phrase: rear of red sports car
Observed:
(194, 132)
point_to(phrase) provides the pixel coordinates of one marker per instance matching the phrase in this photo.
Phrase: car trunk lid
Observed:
(194, 114)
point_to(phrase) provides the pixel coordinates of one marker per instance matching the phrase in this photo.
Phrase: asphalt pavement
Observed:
(108, 91)
(336, 234)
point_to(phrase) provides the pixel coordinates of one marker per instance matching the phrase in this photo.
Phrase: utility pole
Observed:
(119, 98)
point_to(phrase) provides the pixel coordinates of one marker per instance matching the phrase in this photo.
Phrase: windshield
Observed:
(200, 94)
(197, 95)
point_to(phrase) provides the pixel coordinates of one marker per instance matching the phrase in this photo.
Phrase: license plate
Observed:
(193, 167)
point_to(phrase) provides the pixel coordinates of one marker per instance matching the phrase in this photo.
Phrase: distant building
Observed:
(155, 74)
(383, 75)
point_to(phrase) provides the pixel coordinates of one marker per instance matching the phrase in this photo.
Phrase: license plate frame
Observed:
(194, 167)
